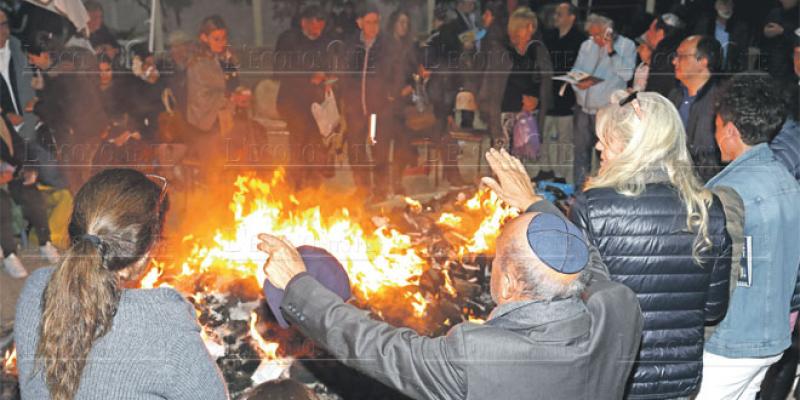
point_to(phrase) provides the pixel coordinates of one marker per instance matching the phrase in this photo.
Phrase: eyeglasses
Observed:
(160, 181)
(678, 56)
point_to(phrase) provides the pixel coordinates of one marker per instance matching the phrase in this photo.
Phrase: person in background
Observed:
(365, 91)
(68, 104)
(16, 93)
(646, 199)
(778, 38)
(128, 101)
(303, 62)
(344, 21)
(662, 40)
(439, 74)
(563, 42)
(550, 336)
(17, 151)
(18, 183)
(402, 49)
(780, 377)
(611, 58)
(174, 67)
(102, 40)
(466, 20)
(455, 44)
(696, 63)
(518, 79)
(749, 112)
(731, 31)
(213, 93)
(66, 347)
(209, 107)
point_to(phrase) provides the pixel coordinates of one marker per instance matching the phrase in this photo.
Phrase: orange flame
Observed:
(377, 260)
(10, 361)
(267, 350)
(450, 220)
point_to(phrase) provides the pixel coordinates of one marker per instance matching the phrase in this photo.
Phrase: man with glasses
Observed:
(696, 61)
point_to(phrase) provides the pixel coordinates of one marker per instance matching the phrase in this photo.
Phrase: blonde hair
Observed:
(655, 150)
(520, 18)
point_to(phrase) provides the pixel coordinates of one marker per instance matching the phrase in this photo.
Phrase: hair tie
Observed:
(95, 240)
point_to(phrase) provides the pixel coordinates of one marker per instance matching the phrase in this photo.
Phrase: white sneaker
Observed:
(14, 267)
(50, 252)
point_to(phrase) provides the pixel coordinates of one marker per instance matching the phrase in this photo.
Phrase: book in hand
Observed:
(575, 77)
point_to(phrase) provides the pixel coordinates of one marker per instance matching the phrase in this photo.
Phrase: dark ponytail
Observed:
(117, 218)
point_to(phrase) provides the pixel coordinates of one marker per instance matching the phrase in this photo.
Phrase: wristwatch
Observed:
(612, 53)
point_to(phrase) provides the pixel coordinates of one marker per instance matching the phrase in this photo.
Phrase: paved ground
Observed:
(10, 288)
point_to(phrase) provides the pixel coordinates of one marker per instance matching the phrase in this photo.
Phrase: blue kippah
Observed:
(558, 243)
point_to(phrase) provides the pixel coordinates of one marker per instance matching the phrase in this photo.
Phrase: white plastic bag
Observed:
(326, 114)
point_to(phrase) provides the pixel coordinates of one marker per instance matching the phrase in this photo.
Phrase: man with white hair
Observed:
(610, 60)
(548, 337)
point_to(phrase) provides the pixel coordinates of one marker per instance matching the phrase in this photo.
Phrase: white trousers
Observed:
(732, 378)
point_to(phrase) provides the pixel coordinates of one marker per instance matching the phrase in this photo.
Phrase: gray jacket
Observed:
(566, 349)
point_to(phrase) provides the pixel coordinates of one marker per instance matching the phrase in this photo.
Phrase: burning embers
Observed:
(419, 267)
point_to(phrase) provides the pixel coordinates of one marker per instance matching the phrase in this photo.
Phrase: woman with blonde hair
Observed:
(661, 233)
(81, 335)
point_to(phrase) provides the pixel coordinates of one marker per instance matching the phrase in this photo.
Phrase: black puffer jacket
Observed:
(646, 245)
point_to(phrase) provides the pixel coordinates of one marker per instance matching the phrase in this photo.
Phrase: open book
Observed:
(574, 77)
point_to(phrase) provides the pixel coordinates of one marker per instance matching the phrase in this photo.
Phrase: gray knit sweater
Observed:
(153, 351)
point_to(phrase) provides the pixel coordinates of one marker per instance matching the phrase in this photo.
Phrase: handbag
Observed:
(172, 126)
(419, 116)
(326, 114)
(526, 140)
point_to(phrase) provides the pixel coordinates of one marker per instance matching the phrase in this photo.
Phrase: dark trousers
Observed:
(307, 153)
(33, 210)
(393, 136)
(357, 136)
(585, 139)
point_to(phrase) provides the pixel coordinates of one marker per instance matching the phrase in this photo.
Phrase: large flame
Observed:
(376, 259)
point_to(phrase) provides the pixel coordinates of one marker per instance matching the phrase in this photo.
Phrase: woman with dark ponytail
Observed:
(81, 335)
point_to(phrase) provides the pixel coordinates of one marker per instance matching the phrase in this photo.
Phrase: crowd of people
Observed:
(675, 273)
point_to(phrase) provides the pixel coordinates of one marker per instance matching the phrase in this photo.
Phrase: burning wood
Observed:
(9, 387)
(419, 267)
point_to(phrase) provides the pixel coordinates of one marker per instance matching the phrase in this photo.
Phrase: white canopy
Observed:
(73, 10)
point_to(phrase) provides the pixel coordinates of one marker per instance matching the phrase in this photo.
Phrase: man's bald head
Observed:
(519, 273)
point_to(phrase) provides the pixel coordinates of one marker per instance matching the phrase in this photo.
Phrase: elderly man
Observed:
(610, 60)
(548, 338)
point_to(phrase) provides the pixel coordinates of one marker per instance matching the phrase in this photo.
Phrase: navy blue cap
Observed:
(320, 264)
(558, 243)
